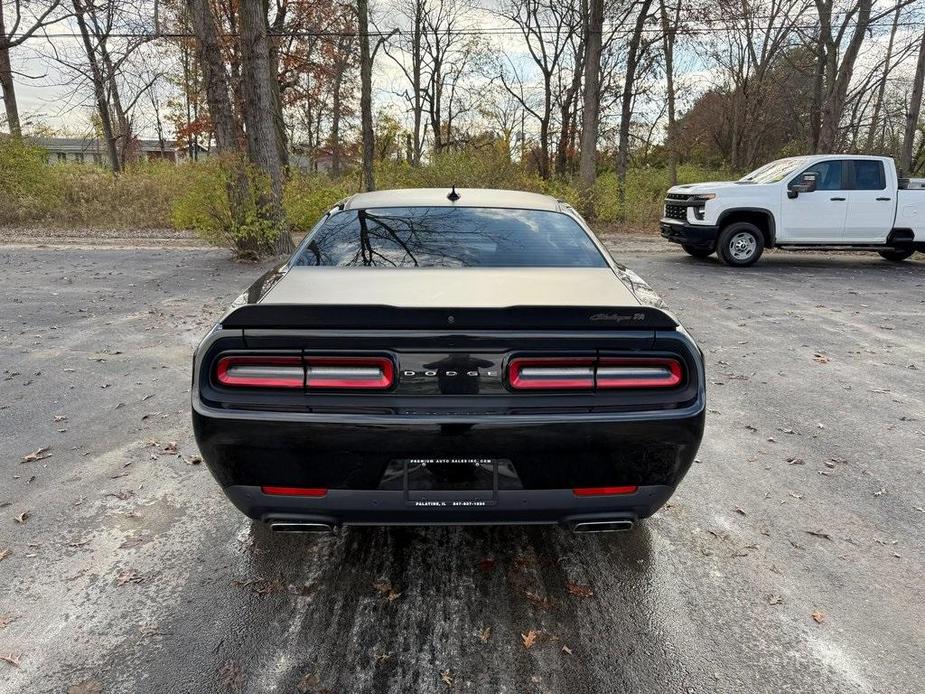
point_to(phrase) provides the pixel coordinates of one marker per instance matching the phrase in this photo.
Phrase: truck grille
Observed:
(676, 211)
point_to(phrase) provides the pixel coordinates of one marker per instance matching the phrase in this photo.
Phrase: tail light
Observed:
(591, 373)
(633, 372)
(375, 373)
(311, 372)
(568, 373)
(260, 372)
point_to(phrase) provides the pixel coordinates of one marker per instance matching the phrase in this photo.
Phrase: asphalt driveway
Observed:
(791, 560)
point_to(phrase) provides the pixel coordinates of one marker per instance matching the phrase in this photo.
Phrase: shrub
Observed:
(223, 200)
(308, 196)
(26, 194)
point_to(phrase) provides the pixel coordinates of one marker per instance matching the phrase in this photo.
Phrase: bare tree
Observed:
(836, 71)
(547, 27)
(626, 107)
(912, 115)
(587, 167)
(15, 35)
(410, 59)
(670, 16)
(881, 88)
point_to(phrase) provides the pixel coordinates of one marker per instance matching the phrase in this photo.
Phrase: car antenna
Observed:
(453, 196)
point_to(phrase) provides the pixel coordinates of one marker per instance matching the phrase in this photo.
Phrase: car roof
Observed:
(468, 197)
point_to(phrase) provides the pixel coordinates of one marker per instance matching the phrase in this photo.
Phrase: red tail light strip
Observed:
(633, 372)
(566, 373)
(338, 373)
(605, 491)
(294, 491)
(590, 373)
(375, 373)
(260, 372)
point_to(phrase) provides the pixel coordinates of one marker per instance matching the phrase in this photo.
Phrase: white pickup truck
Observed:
(823, 201)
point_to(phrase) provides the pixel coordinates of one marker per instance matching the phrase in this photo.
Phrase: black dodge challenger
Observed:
(448, 357)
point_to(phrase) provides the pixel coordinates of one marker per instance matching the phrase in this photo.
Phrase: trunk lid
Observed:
(435, 298)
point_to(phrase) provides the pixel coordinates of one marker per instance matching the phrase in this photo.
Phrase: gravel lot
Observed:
(791, 559)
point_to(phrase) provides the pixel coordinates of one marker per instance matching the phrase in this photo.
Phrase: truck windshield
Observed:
(450, 237)
(775, 171)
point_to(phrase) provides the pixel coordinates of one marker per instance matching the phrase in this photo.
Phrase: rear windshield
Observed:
(449, 237)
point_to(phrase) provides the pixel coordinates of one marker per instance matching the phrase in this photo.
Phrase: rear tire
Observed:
(698, 252)
(740, 244)
(896, 255)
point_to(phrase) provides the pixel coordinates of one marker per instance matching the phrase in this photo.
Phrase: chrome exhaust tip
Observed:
(300, 527)
(603, 526)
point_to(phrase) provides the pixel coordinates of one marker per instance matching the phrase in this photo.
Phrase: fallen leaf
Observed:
(566, 650)
(385, 589)
(231, 675)
(578, 590)
(129, 576)
(796, 461)
(818, 617)
(5, 621)
(447, 677)
(39, 454)
(820, 358)
(487, 565)
(13, 659)
(170, 447)
(23, 517)
(193, 460)
(540, 601)
(86, 687)
(529, 638)
(775, 599)
(4, 553)
(485, 635)
(308, 683)
(740, 510)
(818, 533)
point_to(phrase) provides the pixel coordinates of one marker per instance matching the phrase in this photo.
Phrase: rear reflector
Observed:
(375, 373)
(541, 373)
(604, 491)
(294, 491)
(260, 372)
(590, 373)
(633, 372)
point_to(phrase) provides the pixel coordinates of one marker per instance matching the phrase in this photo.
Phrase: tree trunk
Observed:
(215, 77)
(260, 114)
(912, 115)
(839, 79)
(869, 146)
(366, 95)
(668, 37)
(815, 108)
(99, 89)
(568, 102)
(626, 109)
(587, 165)
(6, 82)
(335, 118)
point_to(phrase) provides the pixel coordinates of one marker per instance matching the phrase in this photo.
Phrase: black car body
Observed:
(423, 361)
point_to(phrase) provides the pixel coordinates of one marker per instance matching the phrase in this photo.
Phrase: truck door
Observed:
(871, 203)
(819, 216)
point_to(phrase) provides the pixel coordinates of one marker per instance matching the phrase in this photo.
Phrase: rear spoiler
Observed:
(373, 317)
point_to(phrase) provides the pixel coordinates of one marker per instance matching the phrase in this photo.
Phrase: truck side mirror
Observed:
(807, 184)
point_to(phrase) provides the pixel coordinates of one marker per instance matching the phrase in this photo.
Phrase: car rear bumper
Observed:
(507, 507)
(349, 457)
(695, 235)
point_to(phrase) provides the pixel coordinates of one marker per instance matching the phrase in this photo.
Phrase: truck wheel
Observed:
(897, 255)
(697, 252)
(740, 244)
